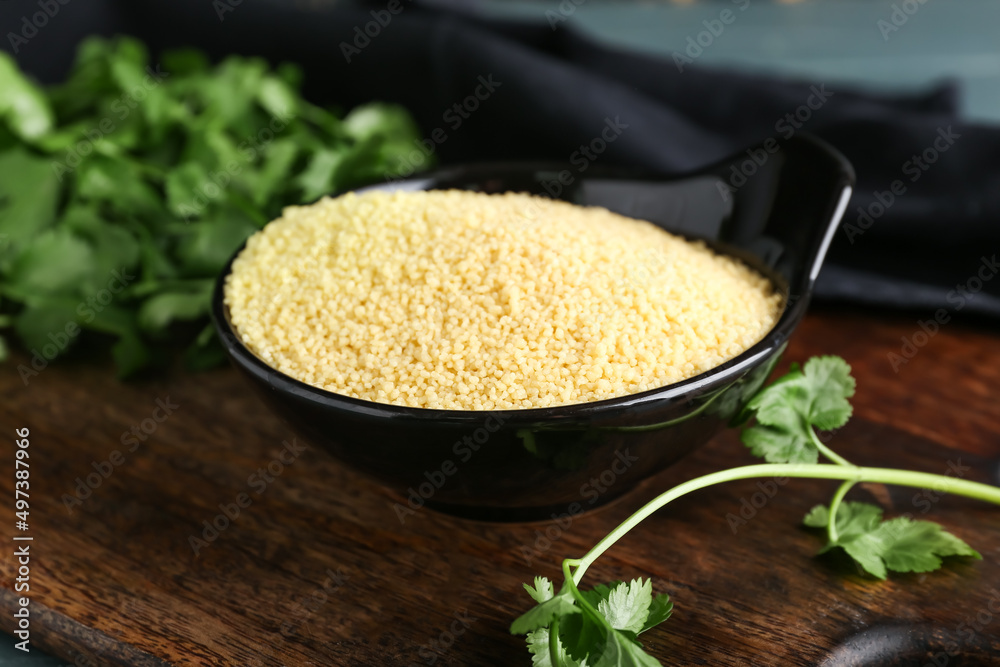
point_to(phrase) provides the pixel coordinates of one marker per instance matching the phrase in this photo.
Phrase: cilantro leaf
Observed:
(115, 249)
(830, 386)
(627, 606)
(183, 187)
(23, 106)
(919, 546)
(159, 311)
(29, 195)
(815, 396)
(117, 184)
(818, 393)
(270, 178)
(543, 590)
(205, 248)
(779, 444)
(33, 271)
(127, 64)
(853, 520)
(541, 655)
(584, 634)
(595, 627)
(599, 593)
(904, 545)
(900, 544)
(620, 651)
(377, 120)
(318, 177)
(45, 324)
(277, 98)
(818, 517)
(659, 610)
(541, 616)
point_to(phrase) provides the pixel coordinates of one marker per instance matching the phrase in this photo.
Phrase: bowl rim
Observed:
(698, 385)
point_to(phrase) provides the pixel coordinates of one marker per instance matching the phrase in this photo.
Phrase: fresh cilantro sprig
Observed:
(591, 628)
(789, 410)
(878, 545)
(600, 627)
(126, 188)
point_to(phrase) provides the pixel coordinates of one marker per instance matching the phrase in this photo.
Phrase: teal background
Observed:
(829, 41)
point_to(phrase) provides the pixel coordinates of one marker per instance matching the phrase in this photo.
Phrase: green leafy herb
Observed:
(900, 544)
(627, 607)
(547, 609)
(788, 409)
(599, 627)
(29, 195)
(23, 107)
(125, 189)
(595, 628)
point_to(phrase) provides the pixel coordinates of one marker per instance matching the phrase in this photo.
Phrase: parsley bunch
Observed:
(600, 627)
(125, 189)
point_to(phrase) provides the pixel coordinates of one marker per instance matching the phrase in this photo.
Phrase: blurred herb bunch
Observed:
(124, 191)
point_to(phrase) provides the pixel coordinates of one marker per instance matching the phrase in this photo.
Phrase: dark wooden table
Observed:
(318, 570)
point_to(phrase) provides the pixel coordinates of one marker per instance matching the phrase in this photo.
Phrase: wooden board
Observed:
(318, 569)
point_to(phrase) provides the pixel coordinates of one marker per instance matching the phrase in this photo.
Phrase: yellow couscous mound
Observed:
(466, 301)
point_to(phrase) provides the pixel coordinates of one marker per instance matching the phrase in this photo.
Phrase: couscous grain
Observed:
(467, 301)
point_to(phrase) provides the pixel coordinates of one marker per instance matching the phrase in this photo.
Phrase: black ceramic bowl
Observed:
(775, 206)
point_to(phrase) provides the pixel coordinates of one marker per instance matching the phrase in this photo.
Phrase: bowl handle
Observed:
(788, 198)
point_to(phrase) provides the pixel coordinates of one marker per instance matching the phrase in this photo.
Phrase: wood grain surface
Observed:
(318, 570)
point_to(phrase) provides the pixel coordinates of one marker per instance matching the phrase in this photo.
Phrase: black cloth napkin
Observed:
(921, 232)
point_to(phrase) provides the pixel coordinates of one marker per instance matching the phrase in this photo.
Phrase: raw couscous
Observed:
(467, 301)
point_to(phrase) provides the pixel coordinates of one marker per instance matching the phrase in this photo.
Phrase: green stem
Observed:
(831, 526)
(826, 451)
(554, 641)
(854, 474)
(573, 590)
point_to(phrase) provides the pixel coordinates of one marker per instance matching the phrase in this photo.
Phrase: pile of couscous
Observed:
(467, 301)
